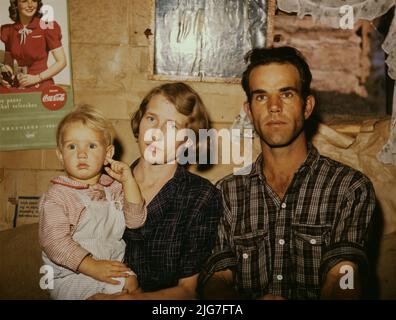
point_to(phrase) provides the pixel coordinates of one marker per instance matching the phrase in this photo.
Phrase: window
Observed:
(206, 40)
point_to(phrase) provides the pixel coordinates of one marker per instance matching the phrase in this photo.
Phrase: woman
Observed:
(183, 209)
(29, 42)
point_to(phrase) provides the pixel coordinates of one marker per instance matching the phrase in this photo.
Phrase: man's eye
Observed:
(93, 146)
(287, 95)
(261, 97)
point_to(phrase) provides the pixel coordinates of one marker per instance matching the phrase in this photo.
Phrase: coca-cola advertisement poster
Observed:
(36, 80)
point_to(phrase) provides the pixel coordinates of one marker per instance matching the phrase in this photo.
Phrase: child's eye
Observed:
(71, 146)
(93, 146)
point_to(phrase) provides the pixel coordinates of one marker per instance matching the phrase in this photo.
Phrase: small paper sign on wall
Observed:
(36, 83)
(26, 210)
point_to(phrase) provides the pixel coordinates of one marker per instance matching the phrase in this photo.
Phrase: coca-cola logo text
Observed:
(54, 98)
(57, 97)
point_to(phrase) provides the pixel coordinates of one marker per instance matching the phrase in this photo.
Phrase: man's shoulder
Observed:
(342, 171)
(234, 179)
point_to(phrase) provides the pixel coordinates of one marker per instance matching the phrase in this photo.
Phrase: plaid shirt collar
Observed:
(169, 192)
(308, 164)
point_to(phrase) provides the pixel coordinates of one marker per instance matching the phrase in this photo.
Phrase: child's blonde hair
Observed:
(92, 118)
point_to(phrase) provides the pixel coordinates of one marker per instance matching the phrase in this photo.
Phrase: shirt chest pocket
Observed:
(253, 254)
(309, 242)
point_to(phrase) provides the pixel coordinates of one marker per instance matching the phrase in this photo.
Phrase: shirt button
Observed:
(283, 205)
(279, 277)
(281, 242)
(313, 241)
(245, 256)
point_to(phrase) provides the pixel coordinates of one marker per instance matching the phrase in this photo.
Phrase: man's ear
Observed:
(309, 106)
(109, 153)
(59, 155)
(248, 111)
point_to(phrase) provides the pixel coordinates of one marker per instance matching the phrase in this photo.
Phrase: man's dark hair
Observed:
(282, 55)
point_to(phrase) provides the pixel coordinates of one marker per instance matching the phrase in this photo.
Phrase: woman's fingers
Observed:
(119, 275)
(5, 84)
(119, 265)
(9, 69)
(112, 281)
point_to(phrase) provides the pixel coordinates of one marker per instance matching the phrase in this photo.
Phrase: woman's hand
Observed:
(5, 84)
(8, 69)
(104, 270)
(27, 80)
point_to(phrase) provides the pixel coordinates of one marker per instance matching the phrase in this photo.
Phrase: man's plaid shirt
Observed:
(286, 247)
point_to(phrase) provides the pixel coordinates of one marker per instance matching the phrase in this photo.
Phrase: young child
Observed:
(83, 215)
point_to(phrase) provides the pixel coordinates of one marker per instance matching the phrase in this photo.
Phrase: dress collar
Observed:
(34, 24)
(104, 181)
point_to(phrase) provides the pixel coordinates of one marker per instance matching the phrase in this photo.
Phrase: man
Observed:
(296, 226)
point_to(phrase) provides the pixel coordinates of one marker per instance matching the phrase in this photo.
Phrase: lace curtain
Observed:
(328, 12)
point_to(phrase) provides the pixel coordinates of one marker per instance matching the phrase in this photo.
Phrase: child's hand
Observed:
(118, 170)
(121, 172)
(104, 270)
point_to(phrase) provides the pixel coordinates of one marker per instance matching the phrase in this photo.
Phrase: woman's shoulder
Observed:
(198, 189)
(196, 181)
(6, 30)
(53, 29)
(7, 26)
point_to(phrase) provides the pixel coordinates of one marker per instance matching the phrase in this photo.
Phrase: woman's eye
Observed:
(92, 146)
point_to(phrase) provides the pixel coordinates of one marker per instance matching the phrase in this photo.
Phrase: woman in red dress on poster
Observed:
(29, 41)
